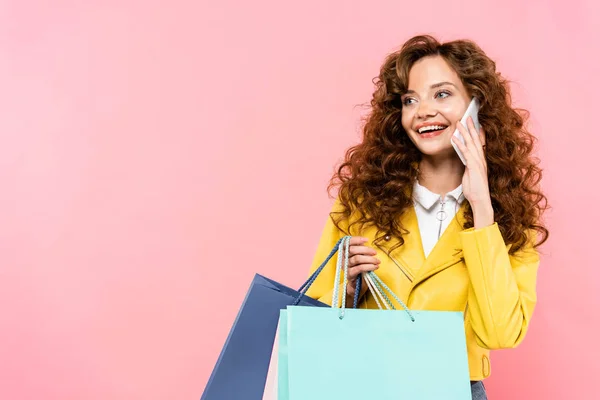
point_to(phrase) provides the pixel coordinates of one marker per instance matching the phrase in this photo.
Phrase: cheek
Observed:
(453, 111)
(406, 119)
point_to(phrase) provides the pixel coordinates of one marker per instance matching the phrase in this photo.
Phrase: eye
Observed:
(408, 101)
(442, 94)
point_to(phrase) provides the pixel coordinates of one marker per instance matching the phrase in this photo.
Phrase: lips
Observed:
(431, 129)
(432, 133)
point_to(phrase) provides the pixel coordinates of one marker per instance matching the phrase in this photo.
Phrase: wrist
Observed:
(483, 215)
(350, 295)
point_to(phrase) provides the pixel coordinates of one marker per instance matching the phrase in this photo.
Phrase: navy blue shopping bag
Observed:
(241, 369)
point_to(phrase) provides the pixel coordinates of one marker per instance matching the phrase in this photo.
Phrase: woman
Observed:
(443, 235)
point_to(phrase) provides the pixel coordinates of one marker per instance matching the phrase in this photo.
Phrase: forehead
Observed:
(431, 70)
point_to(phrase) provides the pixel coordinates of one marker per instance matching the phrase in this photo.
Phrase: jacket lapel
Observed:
(446, 252)
(409, 257)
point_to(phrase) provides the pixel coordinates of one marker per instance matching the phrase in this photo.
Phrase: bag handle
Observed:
(306, 285)
(343, 246)
(381, 286)
(342, 263)
(375, 292)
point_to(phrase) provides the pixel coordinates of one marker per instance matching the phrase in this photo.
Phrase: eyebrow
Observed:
(434, 86)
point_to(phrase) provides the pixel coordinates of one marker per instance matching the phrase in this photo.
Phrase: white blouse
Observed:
(435, 213)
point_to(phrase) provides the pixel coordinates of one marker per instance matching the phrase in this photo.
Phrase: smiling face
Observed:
(435, 101)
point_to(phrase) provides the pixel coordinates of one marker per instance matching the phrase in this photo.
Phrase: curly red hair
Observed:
(375, 180)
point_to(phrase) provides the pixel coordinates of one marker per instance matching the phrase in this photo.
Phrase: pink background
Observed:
(155, 155)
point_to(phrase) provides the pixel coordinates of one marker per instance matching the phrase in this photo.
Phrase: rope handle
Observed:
(308, 283)
(375, 292)
(376, 285)
(383, 288)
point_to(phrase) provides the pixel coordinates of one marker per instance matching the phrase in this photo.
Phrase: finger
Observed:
(464, 131)
(483, 143)
(364, 250)
(476, 138)
(359, 269)
(468, 139)
(360, 259)
(482, 137)
(470, 160)
(358, 240)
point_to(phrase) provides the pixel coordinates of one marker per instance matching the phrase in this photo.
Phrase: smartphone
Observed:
(472, 111)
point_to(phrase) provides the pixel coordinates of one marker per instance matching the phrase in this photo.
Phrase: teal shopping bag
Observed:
(338, 353)
(283, 392)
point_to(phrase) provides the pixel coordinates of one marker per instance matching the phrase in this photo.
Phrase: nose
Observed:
(425, 110)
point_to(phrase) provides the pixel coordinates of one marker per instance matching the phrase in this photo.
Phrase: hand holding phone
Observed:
(472, 111)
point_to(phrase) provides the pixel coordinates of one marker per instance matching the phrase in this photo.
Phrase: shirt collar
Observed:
(427, 198)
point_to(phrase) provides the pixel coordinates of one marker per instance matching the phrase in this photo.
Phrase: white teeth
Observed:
(431, 128)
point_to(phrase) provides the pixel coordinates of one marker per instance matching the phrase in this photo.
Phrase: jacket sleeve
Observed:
(322, 288)
(502, 289)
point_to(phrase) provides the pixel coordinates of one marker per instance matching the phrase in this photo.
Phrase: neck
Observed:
(441, 174)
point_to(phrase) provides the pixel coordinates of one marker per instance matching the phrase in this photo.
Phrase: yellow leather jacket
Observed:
(468, 270)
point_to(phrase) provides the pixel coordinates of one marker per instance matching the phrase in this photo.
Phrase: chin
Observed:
(432, 150)
(434, 147)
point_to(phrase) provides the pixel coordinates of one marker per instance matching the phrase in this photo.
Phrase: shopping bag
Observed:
(357, 354)
(270, 392)
(241, 369)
